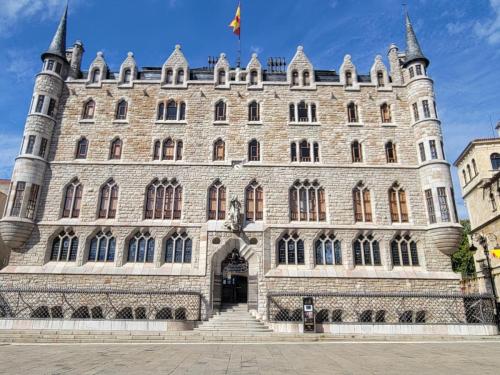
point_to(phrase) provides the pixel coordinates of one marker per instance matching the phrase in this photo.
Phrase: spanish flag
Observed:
(236, 23)
(495, 252)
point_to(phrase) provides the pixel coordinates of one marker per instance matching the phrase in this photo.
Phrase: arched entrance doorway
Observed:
(234, 272)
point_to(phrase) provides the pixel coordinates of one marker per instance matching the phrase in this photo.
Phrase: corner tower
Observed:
(31, 164)
(435, 177)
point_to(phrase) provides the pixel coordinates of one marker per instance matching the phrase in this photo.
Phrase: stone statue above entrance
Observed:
(234, 221)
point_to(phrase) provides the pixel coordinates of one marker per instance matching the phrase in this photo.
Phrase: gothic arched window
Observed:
(398, 204)
(295, 78)
(254, 78)
(390, 152)
(116, 149)
(307, 201)
(366, 251)
(220, 111)
(303, 112)
(404, 251)
(141, 248)
(180, 77)
(168, 149)
(108, 203)
(254, 150)
(82, 148)
(254, 111)
(356, 152)
(121, 110)
(73, 199)
(254, 202)
(217, 201)
(169, 77)
(328, 250)
(164, 200)
(156, 150)
(362, 203)
(292, 112)
(127, 75)
(64, 247)
(306, 78)
(88, 110)
(352, 113)
(290, 249)
(102, 248)
(385, 113)
(96, 75)
(178, 249)
(348, 79)
(161, 112)
(182, 111)
(219, 150)
(171, 110)
(221, 77)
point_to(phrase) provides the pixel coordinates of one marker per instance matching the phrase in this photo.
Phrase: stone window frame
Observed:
(149, 254)
(159, 153)
(389, 106)
(93, 78)
(259, 111)
(363, 208)
(214, 150)
(299, 253)
(116, 143)
(220, 202)
(312, 118)
(375, 252)
(18, 198)
(336, 252)
(495, 161)
(72, 250)
(254, 143)
(354, 158)
(84, 117)
(41, 104)
(107, 202)
(181, 236)
(127, 110)
(393, 149)
(358, 111)
(169, 210)
(77, 154)
(300, 205)
(254, 187)
(400, 208)
(296, 151)
(250, 78)
(71, 206)
(412, 258)
(215, 118)
(109, 247)
(180, 107)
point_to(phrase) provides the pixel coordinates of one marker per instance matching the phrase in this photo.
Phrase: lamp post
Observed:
(483, 241)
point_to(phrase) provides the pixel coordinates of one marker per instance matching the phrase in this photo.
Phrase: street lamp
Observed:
(483, 241)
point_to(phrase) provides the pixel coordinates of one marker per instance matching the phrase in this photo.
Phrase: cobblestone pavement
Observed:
(429, 357)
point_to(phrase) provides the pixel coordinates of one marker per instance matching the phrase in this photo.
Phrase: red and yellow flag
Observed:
(236, 23)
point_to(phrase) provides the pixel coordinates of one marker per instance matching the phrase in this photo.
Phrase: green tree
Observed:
(463, 261)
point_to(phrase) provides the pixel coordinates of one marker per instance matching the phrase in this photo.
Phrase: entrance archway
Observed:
(234, 272)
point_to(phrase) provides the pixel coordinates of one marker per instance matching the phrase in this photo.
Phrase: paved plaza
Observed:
(346, 357)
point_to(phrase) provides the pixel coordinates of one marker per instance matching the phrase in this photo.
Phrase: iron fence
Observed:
(105, 304)
(383, 308)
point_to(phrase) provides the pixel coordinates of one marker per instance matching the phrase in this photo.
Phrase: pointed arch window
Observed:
(254, 202)
(221, 77)
(127, 76)
(141, 248)
(352, 113)
(116, 149)
(292, 112)
(474, 166)
(18, 198)
(102, 248)
(291, 250)
(182, 111)
(348, 79)
(307, 201)
(169, 79)
(156, 150)
(121, 110)
(219, 150)
(328, 250)
(254, 111)
(180, 77)
(385, 113)
(108, 203)
(295, 78)
(254, 78)
(82, 148)
(220, 111)
(88, 110)
(469, 171)
(73, 199)
(164, 200)
(398, 204)
(464, 176)
(168, 149)
(390, 152)
(64, 247)
(356, 152)
(362, 204)
(96, 75)
(178, 150)
(366, 251)
(178, 249)
(161, 111)
(171, 111)
(495, 161)
(217, 201)
(307, 78)
(305, 151)
(303, 112)
(293, 151)
(404, 251)
(254, 150)
(380, 79)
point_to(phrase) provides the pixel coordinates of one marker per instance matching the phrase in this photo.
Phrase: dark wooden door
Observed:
(235, 289)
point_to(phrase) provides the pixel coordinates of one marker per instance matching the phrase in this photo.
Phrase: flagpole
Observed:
(238, 63)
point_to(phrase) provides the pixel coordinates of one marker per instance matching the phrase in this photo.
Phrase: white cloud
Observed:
(22, 64)
(490, 30)
(13, 12)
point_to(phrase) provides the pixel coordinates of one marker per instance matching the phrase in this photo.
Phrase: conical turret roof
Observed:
(413, 50)
(58, 45)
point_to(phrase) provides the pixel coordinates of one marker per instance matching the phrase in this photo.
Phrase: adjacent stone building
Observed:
(4, 191)
(479, 174)
(236, 183)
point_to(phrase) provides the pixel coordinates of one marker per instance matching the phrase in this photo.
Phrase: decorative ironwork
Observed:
(395, 308)
(234, 263)
(107, 304)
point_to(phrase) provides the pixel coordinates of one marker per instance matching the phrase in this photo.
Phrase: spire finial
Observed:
(413, 50)
(58, 45)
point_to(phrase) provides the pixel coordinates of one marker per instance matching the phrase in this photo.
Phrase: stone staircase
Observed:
(234, 320)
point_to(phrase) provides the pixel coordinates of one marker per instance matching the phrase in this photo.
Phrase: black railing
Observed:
(384, 308)
(104, 304)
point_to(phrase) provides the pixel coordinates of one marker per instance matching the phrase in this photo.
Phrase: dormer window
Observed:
(170, 77)
(307, 78)
(127, 76)
(254, 78)
(348, 79)
(96, 76)
(295, 78)
(180, 77)
(380, 79)
(221, 80)
(418, 69)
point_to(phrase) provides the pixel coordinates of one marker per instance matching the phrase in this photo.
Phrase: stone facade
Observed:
(431, 225)
(479, 175)
(4, 191)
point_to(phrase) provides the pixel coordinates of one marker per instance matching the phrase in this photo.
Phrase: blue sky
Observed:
(461, 38)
